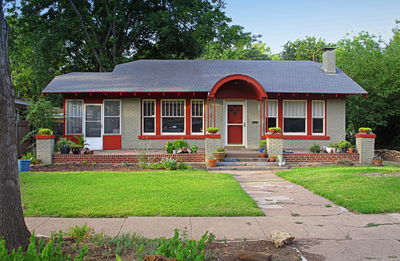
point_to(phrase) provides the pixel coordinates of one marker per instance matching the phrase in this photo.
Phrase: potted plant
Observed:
(64, 145)
(212, 130)
(45, 131)
(194, 148)
(343, 145)
(169, 147)
(263, 154)
(263, 145)
(351, 149)
(331, 148)
(315, 148)
(272, 158)
(81, 141)
(212, 161)
(76, 148)
(275, 130)
(377, 160)
(365, 130)
(180, 145)
(24, 164)
(219, 154)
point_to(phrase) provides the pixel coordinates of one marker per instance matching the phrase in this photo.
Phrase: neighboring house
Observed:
(145, 103)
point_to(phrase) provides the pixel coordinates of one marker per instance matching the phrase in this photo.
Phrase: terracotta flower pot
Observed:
(272, 159)
(273, 131)
(212, 162)
(377, 162)
(263, 155)
(219, 156)
(212, 131)
(350, 150)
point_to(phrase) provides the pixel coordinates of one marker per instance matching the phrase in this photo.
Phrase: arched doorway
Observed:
(240, 94)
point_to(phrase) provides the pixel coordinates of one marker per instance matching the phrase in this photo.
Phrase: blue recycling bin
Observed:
(24, 165)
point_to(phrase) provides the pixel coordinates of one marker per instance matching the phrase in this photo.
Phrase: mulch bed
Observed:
(77, 167)
(394, 174)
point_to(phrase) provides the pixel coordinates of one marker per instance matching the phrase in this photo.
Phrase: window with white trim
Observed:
(149, 116)
(173, 116)
(112, 117)
(272, 114)
(197, 111)
(294, 117)
(318, 112)
(74, 117)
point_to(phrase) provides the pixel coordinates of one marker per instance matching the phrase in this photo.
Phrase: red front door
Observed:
(235, 124)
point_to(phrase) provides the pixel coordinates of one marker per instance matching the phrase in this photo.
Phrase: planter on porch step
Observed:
(212, 163)
(76, 149)
(219, 156)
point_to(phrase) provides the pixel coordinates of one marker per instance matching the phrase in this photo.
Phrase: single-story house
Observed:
(145, 103)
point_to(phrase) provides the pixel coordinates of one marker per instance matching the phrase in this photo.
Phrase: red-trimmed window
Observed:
(197, 117)
(295, 117)
(173, 117)
(149, 117)
(272, 113)
(318, 117)
(112, 117)
(74, 117)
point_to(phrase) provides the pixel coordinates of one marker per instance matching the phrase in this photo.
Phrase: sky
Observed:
(282, 20)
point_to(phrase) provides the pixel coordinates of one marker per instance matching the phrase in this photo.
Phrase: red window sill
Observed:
(171, 137)
(296, 137)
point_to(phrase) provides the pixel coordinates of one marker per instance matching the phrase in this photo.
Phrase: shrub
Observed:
(183, 249)
(28, 156)
(365, 130)
(169, 164)
(212, 129)
(180, 143)
(343, 145)
(41, 251)
(194, 148)
(315, 148)
(169, 147)
(263, 143)
(45, 131)
(345, 162)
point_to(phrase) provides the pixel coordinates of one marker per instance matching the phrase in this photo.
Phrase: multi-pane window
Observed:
(149, 115)
(272, 114)
(74, 117)
(294, 117)
(173, 116)
(197, 112)
(318, 111)
(112, 117)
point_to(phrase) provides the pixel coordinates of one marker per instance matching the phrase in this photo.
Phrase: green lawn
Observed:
(121, 194)
(346, 187)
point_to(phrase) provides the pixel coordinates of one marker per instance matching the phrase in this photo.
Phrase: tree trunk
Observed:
(12, 224)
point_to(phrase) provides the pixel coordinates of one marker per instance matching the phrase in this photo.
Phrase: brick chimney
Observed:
(329, 60)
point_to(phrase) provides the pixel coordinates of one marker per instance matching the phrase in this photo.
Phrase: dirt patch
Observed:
(220, 251)
(77, 167)
(394, 174)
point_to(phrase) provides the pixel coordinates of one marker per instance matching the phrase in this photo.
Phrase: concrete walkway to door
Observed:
(320, 227)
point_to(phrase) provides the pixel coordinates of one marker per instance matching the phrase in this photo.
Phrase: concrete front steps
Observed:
(244, 160)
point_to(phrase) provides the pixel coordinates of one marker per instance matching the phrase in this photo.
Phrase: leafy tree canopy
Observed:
(308, 49)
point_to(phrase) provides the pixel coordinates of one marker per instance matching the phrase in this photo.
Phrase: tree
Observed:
(12, 224)
(309, 49)
(60, 36)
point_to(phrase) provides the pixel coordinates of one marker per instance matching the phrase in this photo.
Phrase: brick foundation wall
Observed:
(321, 157)
(125, 158)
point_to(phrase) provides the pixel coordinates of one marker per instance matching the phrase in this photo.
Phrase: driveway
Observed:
(321, 227)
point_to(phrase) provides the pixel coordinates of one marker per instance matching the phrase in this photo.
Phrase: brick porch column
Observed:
(275, 145)
(212, 142)
(45, 148)
(365, 144)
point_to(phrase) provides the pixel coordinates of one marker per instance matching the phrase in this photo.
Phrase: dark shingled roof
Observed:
(201, 76)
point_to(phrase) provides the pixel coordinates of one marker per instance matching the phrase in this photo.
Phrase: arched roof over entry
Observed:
(247, 83)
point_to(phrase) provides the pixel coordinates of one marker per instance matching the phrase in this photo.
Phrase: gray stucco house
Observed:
(148, 102)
